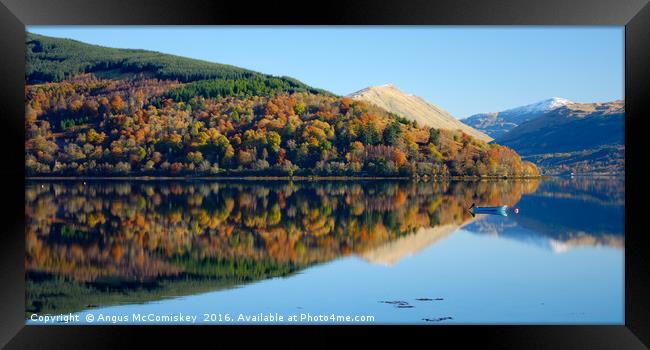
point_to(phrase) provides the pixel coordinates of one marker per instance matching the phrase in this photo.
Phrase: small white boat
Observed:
(498, 210)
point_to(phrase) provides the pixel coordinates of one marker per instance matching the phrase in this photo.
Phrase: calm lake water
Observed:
(398, 252)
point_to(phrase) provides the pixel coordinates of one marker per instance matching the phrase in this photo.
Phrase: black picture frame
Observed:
(15, 14)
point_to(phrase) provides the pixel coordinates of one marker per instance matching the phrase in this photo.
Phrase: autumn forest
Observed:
(95, 111)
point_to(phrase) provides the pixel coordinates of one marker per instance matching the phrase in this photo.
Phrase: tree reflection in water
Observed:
(106, 242)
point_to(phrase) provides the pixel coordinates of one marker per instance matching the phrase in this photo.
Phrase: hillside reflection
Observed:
(563, 214)
(101, 243)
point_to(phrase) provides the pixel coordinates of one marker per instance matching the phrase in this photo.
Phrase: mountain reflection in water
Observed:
(564, 213)
(100, 243)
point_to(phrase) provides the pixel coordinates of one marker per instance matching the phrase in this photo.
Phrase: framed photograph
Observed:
(407, 170)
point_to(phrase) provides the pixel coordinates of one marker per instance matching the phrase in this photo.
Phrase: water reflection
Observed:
(104, 243)
(565, 213)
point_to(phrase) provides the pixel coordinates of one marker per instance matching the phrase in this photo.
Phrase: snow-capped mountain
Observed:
(574, 137)
(541, 106)
(571, 128)
(496, 124)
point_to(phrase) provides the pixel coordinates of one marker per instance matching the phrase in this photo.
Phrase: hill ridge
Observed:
(413, 107)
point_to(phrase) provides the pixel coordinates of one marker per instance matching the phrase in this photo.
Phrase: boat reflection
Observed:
(563, 214)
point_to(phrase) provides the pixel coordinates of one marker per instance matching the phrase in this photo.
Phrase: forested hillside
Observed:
(100, 112)
(54, 59)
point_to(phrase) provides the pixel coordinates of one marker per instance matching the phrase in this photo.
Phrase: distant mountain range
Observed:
(573, 127)
(496, 124)
(562, 136)
(392, 99)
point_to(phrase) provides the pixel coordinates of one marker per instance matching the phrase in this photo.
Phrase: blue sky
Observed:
(465, 70)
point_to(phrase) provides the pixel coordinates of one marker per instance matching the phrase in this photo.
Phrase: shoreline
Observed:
(279, 178)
